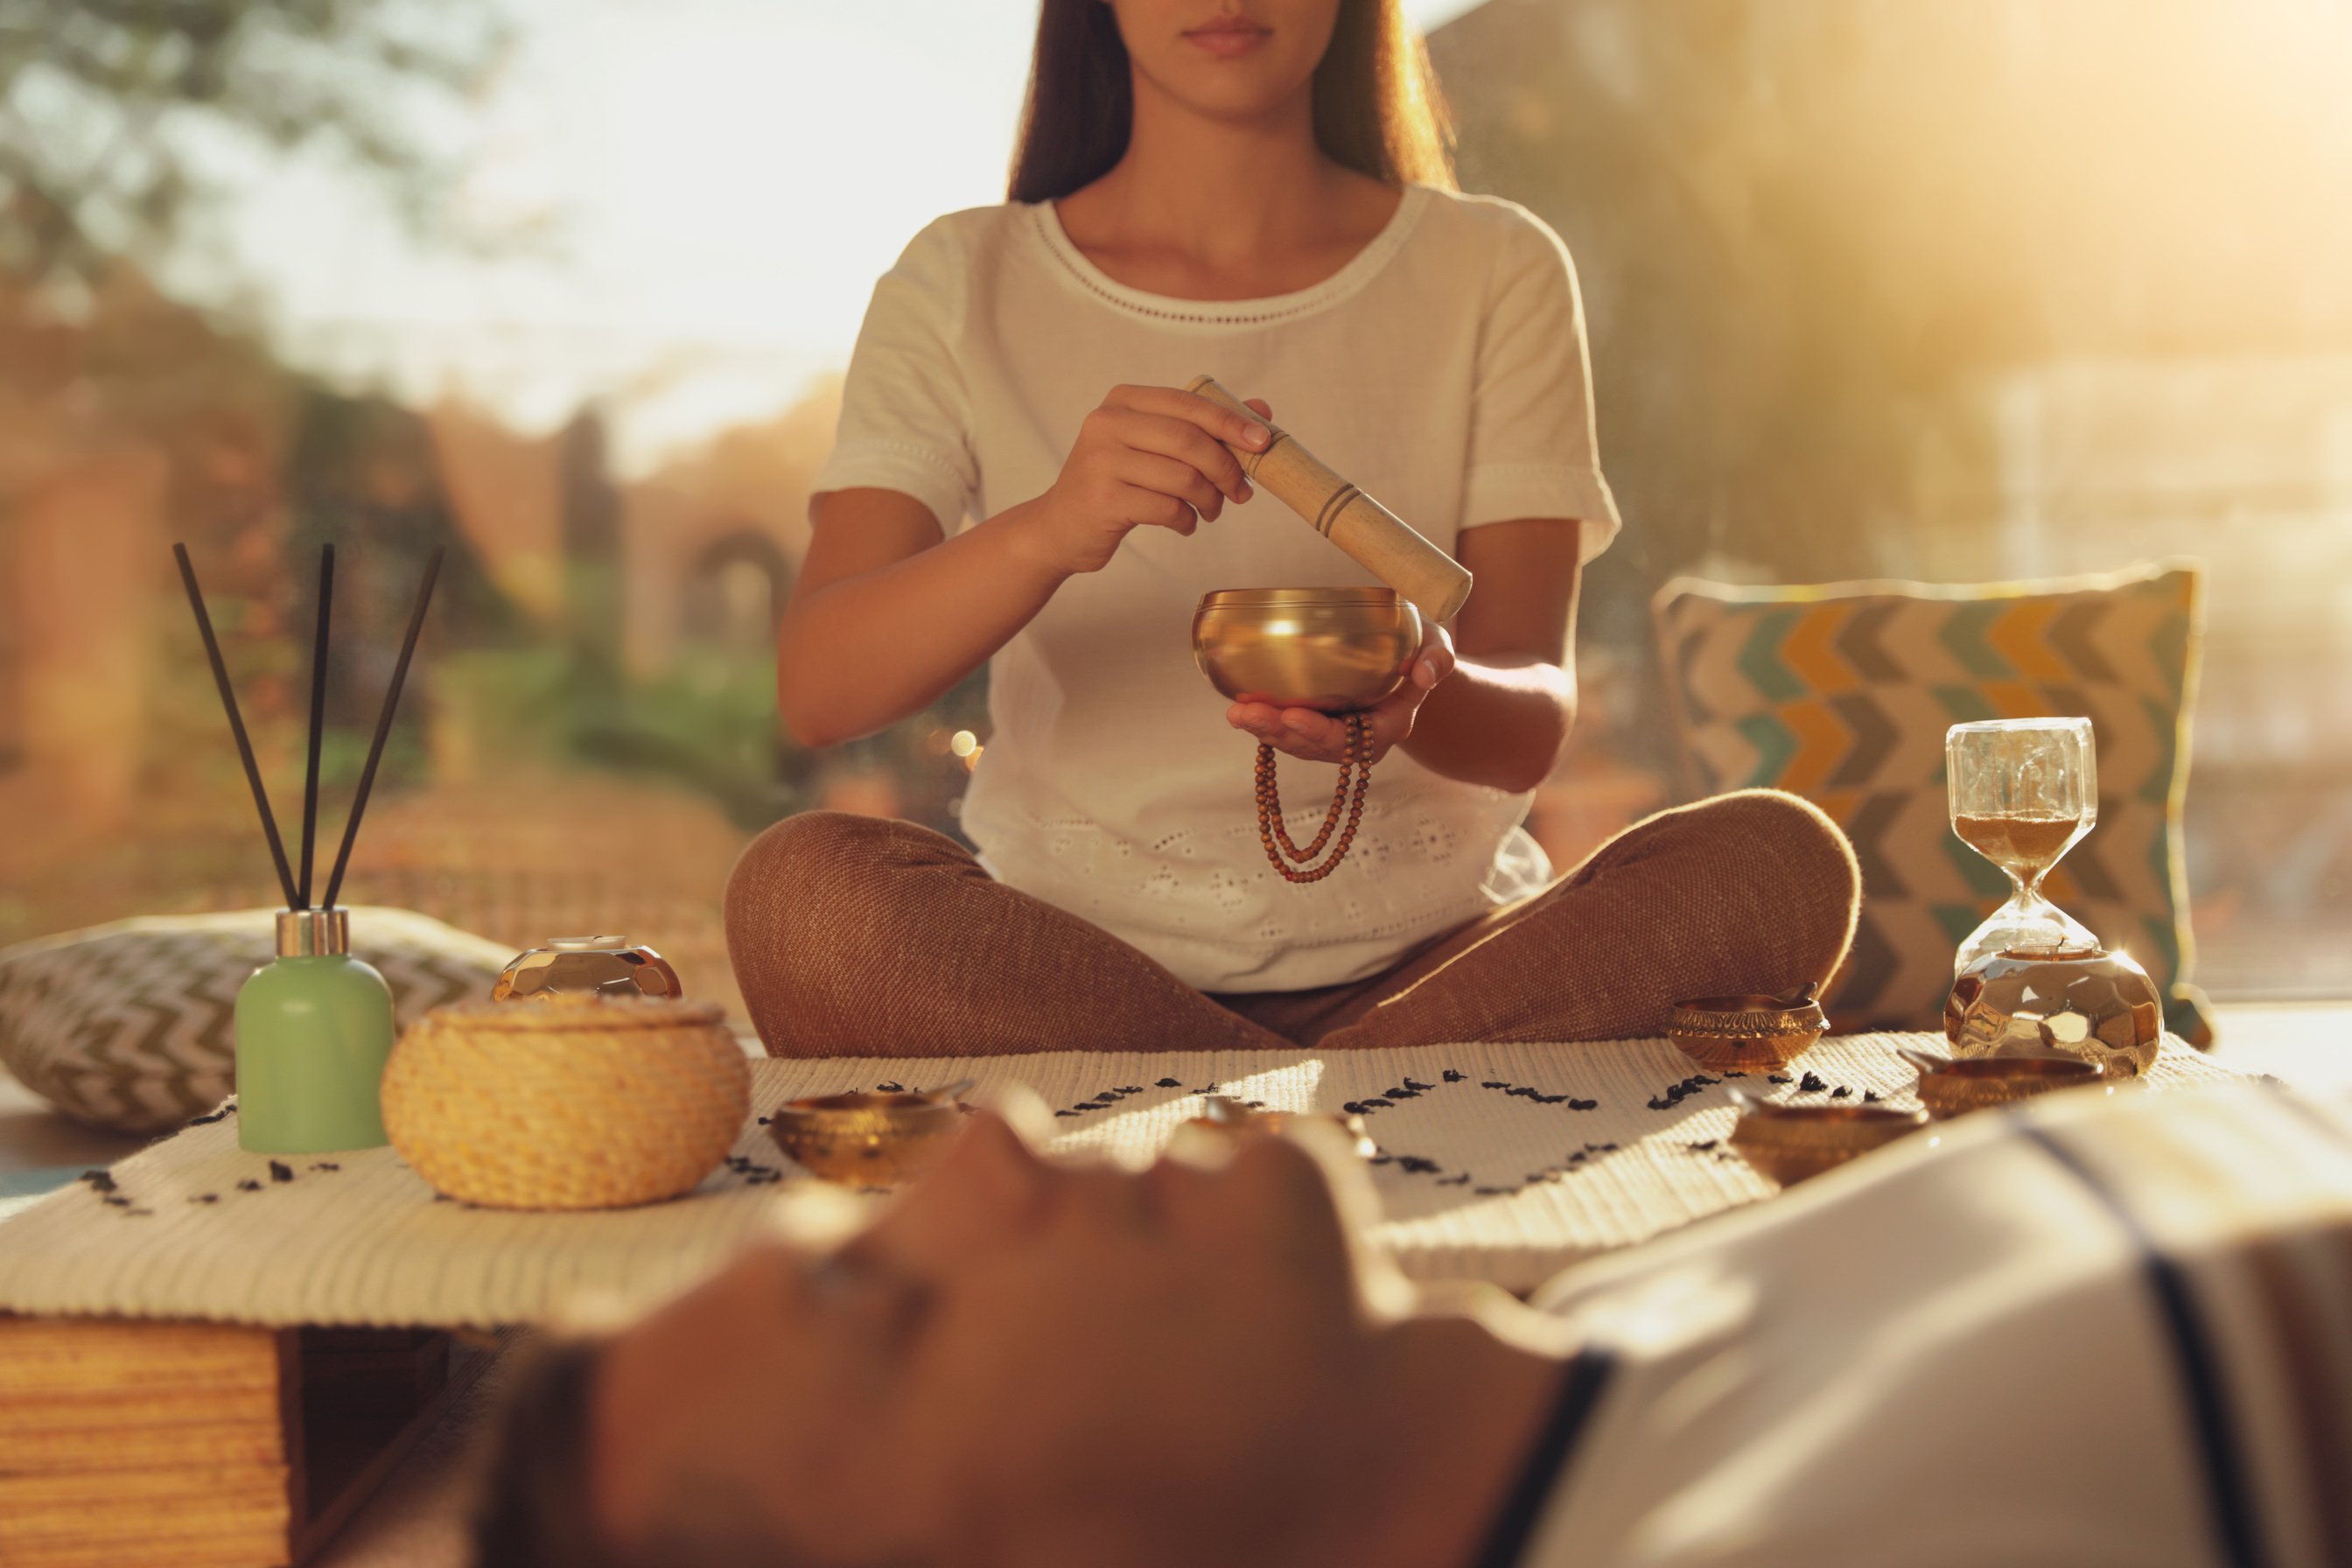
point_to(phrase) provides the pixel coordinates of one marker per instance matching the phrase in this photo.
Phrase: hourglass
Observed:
(2023, 791)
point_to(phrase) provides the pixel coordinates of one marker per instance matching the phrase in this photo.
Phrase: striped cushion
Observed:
(128, 1026)
(1842, 693)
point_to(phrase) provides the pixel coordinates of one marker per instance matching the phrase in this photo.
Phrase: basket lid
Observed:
(556, 1012)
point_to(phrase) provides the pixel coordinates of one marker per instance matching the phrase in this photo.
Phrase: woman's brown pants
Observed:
(859, 936)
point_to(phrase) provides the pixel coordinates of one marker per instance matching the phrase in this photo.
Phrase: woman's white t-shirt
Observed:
(1443, 370)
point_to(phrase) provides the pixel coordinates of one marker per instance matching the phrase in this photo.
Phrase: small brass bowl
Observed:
(1792, 1144)
(1332, 649)
(1950, 1089)
(1230, 1116)
(1739, 1033)
(866, 1139)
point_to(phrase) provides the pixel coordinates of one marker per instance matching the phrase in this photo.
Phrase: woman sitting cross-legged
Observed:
(1262, 195)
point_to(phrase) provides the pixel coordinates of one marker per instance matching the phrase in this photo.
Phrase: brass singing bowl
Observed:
(1332, 649)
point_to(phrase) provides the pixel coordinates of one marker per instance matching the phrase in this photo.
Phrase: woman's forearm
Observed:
(860, 654)
(1499, 722)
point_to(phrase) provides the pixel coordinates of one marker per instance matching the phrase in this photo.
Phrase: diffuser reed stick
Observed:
(318, 717)
(236, 723)
(382, 728)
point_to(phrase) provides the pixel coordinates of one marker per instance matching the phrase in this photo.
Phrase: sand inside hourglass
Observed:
(2018, 844)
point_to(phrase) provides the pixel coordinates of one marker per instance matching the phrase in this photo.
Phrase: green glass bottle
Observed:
(313, 1028)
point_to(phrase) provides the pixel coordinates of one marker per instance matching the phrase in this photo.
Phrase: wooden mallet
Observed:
(1382, 541)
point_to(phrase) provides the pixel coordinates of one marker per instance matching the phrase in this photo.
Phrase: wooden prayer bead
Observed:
(1347, 797)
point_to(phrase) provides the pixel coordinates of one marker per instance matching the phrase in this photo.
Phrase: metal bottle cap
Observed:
(313, 933)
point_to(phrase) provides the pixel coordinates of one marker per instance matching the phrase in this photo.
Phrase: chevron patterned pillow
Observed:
(1842, 693)
(127, 1026)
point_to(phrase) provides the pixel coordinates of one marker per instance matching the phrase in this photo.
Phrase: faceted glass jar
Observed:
(2076, 1001)
(592, 965)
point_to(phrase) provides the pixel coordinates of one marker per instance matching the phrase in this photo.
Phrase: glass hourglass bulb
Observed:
(2023, 792)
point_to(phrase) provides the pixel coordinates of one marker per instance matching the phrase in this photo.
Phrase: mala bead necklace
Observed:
(1347, 798)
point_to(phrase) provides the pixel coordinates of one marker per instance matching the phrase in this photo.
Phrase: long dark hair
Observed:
(1377, 107)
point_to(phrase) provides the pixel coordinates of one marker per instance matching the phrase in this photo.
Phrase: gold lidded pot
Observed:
(1337, 650)
(604, 965)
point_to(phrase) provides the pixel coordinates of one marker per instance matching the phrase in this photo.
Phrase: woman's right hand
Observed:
(1149, 456)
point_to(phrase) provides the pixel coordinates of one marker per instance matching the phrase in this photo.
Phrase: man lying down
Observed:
(2106, 1331)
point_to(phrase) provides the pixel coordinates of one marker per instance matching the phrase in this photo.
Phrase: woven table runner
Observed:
(1500, 1163)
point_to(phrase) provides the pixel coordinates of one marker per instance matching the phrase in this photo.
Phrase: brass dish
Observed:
(1737, 1033)
(1792, 1144)
(1223, 1114)
(866, 1140)
(1333, 649)
(1954, 1088)
(596, 965)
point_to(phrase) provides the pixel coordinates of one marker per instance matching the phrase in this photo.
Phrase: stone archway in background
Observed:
(734, 593)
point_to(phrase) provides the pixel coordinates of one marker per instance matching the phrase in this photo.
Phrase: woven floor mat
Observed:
(1496, 1162)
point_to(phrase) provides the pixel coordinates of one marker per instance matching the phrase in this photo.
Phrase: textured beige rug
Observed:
(1497, 1163)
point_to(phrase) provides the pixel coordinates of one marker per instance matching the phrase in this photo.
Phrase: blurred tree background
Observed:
(590, 731)
(131, 122)
(1968, 290)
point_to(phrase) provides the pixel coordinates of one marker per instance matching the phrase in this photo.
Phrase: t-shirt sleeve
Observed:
(906, 415)
(1533, 452)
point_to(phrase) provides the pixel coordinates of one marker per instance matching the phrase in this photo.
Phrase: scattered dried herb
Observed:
(99, 1180)
(1677, 1093)
(1811, 1083)
(324, 1165)
(248, 1185)
(1169, 1083)
(279, 1171)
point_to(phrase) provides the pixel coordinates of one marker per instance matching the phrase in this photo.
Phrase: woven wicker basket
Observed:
(575, 1103)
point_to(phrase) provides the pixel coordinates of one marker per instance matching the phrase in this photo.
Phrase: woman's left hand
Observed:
(1323, 738)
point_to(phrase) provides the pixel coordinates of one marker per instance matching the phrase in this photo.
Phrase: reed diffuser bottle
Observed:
(314, 1025)
(313, 1028)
